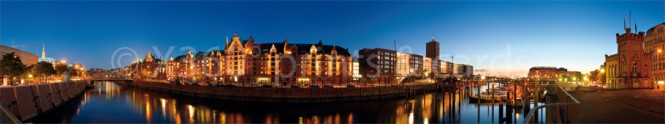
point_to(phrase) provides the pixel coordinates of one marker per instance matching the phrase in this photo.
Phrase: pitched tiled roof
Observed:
(304, 48)
(180, 58)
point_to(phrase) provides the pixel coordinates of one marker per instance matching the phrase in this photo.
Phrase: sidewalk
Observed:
(622, 106)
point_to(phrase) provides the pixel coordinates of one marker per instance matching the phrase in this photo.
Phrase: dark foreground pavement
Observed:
(622, 106)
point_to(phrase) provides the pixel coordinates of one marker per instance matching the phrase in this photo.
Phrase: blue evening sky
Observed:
(501, 37)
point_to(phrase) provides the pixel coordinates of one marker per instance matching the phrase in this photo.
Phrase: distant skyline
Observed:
(570, 34)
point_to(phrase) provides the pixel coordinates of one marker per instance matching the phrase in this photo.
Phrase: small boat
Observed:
(485, 97)
(496, 94)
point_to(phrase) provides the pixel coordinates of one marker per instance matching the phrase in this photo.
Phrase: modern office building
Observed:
(409, 65)
(26, 57)
(463, 70)
(356, 69)
(432, 49)
(378, 64)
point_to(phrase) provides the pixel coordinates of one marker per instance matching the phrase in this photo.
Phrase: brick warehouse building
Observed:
(378, 64)
(245, 63)
(631, 66)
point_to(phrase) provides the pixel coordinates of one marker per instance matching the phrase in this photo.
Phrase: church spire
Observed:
(227, 43)
(43, 51)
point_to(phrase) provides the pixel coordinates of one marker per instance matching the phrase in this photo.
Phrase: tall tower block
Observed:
(432, 49)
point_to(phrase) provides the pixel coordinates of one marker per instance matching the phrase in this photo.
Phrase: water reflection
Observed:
(112, 103)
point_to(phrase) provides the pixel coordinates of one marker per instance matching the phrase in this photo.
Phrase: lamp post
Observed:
(602, 71)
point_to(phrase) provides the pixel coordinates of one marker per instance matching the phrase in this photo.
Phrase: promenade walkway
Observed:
(622, 106)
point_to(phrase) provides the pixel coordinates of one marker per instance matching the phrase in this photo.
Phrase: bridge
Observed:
(109, 76)
(114, 79)
(110, 79)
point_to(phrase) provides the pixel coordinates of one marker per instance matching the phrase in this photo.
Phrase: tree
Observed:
(11, 66)
(60, 68)
(43, 70)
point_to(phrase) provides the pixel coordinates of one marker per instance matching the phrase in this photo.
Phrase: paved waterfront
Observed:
(622, 106)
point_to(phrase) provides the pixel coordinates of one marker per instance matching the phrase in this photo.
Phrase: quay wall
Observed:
(285, 95)
(26, 102)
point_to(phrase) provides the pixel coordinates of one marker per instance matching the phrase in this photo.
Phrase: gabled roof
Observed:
(180, 58)
(304, 48)
(199, 55)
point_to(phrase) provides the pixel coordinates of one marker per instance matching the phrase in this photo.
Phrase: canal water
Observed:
(112, 103)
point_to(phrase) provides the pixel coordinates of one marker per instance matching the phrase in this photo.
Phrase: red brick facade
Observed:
(631, 66)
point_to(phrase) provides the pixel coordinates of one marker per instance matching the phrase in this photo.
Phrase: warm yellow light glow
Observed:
(659, 50)
(661, 82)
(190, 110)
(411, 118)
(263, 79)
(30, 75)
(303, 79)
(602, 70)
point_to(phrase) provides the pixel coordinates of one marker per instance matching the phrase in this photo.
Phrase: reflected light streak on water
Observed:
(142, 106)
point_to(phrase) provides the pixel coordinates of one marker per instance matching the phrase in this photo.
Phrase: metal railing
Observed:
(7, 117)
(561, 107)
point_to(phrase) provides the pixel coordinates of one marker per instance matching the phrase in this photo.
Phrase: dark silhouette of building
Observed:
(432, 49)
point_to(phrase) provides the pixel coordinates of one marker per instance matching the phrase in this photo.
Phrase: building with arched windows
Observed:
(242, 62)
(654, 42)
(631, 66)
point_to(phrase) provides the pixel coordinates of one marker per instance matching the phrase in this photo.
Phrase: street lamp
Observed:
(657, 58)
(30, 77)
(602, 71)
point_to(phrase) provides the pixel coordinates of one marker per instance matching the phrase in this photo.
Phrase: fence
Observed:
(560, 107)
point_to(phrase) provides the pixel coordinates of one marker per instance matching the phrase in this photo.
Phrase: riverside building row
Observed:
(284, 64)
(394, 67)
